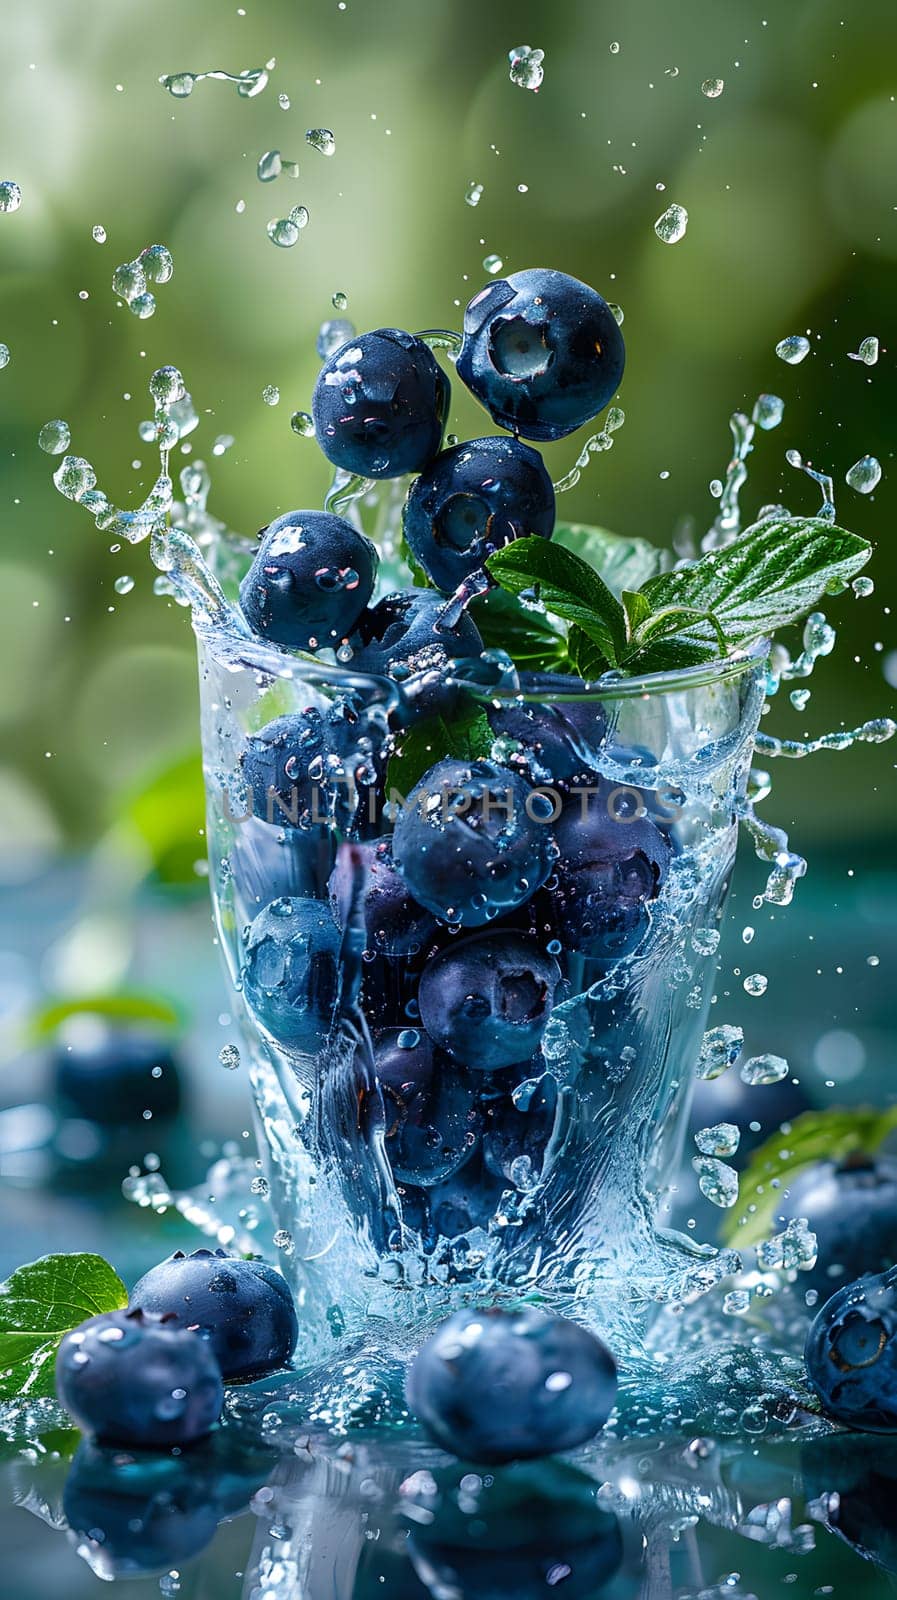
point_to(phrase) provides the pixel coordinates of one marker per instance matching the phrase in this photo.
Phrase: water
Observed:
(867, 353)
(5, 355)
(271, 394)
(764, 1069)
(527, 68)
(473, 194)
(248, 84)
(302, 423)
(322, 140)
(493, 264)
(10, 195)
(712, 88)
(55, 437)
(794, 349)
(671, 224)
(596, 445)
(155, 265)
(864, 475)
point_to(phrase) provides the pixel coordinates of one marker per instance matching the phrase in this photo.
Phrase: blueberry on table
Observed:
(427, 1105)
(380, 404)
(609, 870)
(558, 739)
(395, 925)
(487, 1000)
(113, 1075)
(542, 352)
(851, 1354)
(131, 1377)
(309, 582)
(290, 974)
(551, 1385)
(244, 1307)
(473, 499)
(473, 840)
(407, 637)
(851, 1206)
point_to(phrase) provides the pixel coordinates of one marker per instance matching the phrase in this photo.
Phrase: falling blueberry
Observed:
(310, 581)
(380, 404)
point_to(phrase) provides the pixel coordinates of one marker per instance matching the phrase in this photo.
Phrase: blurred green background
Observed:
(788, 179)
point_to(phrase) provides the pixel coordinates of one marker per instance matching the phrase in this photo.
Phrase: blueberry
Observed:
(467, 1200)
(427, 1105)
(608, 873)
(394, 922)
(559, 739)
(269, 863)
(114, 1075)
(310, 581)
(851, 1206)
(857, 1487)
(406, 637)
(380, 404)
(290, 976)
(488, 999)
(518, 1126)
(311, 768)
(472, 841)
(550, 1384)
(244, 1307)
(851, 1353)
(542, 352)
(134, 1378)
(473, 499)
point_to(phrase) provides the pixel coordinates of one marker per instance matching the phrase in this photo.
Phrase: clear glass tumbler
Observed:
(411, 1166)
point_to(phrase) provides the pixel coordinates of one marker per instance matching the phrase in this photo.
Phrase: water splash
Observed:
(598, 443)
(867, 353)
(249, 83)
(130, 279)
(473, 194)
(273, 165)
(526, 69)
(5, 356)
(878, 730)
(285, 231)
(794, 349)
(322, 140)
(864, 475)
(671, 226)
(824, 480)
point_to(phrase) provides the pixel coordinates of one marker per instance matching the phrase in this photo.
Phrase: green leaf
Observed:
(774, 573)
(623, 563)
(117, 1007)
(568, 587)
(814, 1136)
(39, 1304)
(637, 608)
(168, 812)
(584, 656)
(467, 738)
(525, 632)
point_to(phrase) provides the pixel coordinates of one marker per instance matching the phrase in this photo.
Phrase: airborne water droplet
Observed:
(271, 394)
(10, 195)
(124, 584)
(756, 983)
(321, 139)
(864, 475)
(526, 69)
(229, 1056)
(764, 1070)
(671, 226)
(473, 194)
(794, 349)
(269, 166)
(157, 263)
(339, 300)
(867, 353)
(283, 231)
(768, 411)
(55, 437)
(713, 87)
(302, 423)
(129, 280)
(98, 232)
(493, 264)
(4, 355)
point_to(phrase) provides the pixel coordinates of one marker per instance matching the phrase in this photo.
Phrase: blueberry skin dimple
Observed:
(851, 1354)
(290, 975)
(405, 637)
(488, 999)
(608, 873)
(134, 1378)
(851, 1207)
(380, 404)
(550, 1384)
(466, 844)
(473, 499)
(542, 352)
(244, 1307)
(310, 581)
(431, 1120)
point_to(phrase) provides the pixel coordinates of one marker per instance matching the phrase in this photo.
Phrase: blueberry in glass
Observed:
(851, 1354)
(380, 404)
(290, 973)
(309, 768)
(609, 871)
(113, 1075)
(518, 1125)
(551, 1385)
(466, 1201)
(426, 1106)
(542, 352)
(851, 1206)
(310, 581)
(243, 1306)
(488, 999)
(135, 1378)
(470, 501)
(409, 637)
(556, 741)
(395, 925)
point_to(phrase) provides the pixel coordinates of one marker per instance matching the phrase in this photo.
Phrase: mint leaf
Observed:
(527, 634)
(774, 573)
(637, 608)
(468, 738)
(622, 562)
(815, 1136)
(39, 1304)
(567, 586)
(584, 656)
(123, 1008)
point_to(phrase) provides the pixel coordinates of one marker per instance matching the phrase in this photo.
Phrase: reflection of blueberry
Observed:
(380, 404)
(550, 1384)
(559, 739)
(472, 841)
(395, 924)
(517, 1129)
(542, 352)
(488, 999)
(851, 1206)
(310, 581)
(473, 499)
(858, 1488)
(245, 1307)
(112, 1076)
(405, 637)
(290, 972)
(608, 873)
(851, 1354)
(429, 1109)
(131, 1377)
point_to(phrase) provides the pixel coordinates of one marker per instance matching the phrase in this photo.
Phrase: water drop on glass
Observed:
(302, 423)
(794, 349)
(864, 475)
(493, 264)
(671, 226)
(526, 69)
(229, 1056)
(271, 394)
(124, 584)
(713, 87)
(321, 139)
(473, 194)
(98, 232)
(10, 195)
(55, 437)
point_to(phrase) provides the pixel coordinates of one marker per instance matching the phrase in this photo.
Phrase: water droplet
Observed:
(55, 437)
(473, 194)
(864, 475)
(10, 195)
(98, 232)
(283, 1239)
(269, 166)
(259, 1186)
(720, 1140)
(167, 386)
(157, 263)
(764, 1069)
(671, 226)
(614, 48)
(124, 584)
(299, 216)
(717, 1182)
(747, 934)
(862, 588)
(705, 941)
(178, 84)
(271, 394)
(302, 423)
(74, 477)
(129, 281)
(223, 443)
(339, 300)
(713, 87)
(755, 984)
(283, 231)
(321, 139)
(616, 312)
(800, 698)
(229, 1056)
(720, 1049)
(526, 69)
(794, 349)
(283, 100)
(736, 1302)
(867, 353)
(768, 411)
(493, 264)
(143, 306)
(4, 355)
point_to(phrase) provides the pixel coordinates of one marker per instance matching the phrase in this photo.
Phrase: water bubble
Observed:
(269, 166)
(302, 423)
(143, 306)
(10, 195)
(157, 263)
(283, 1239)
(616, 312)
(526, 68)
(867, 353)
(705, 941)
(4, 355)
(747, 934)
(98, 232)
(864, 475)
(55, 437)
(794, 349)
(862, 588)
(768, 411)
(167, 386)
(717, 1182)
(283, 231)
(124, 584)
(271, 394)
(720, 1140)
(259, 1186)
(223, 442)
(713, 87)
(493, 264)
(229, 1056)
(671, 226)
(339, 300)
(473, 194)
(321, 139)
(755, 984)
(614, 48)
(764, 1069)
(720, 1049)
(129, 281)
